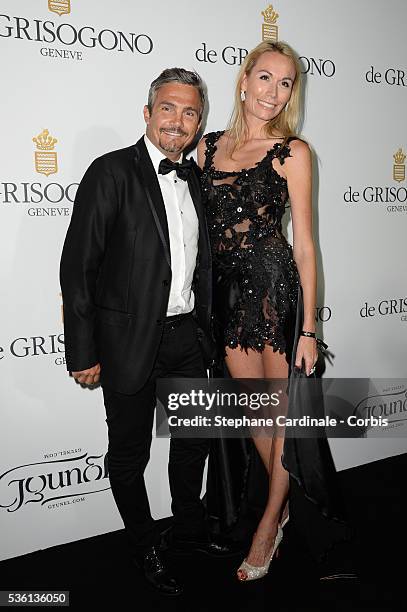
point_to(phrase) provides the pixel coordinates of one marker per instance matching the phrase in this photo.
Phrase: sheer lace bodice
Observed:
(255, 277)
(244, 206)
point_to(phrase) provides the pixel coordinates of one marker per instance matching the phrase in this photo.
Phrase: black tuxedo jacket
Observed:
(116, 270)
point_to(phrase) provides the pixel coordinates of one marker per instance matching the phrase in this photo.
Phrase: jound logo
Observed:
(390, 403)
(59, 476)
(394, 196)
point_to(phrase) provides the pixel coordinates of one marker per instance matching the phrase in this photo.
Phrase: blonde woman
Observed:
(250, 171)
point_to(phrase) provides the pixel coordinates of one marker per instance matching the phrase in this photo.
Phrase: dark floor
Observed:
(97, 571)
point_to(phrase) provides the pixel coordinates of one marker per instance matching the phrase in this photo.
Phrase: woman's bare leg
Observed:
(250, 365)
(265, 365)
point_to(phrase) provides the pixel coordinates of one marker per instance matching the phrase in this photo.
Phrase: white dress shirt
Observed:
(183, 231)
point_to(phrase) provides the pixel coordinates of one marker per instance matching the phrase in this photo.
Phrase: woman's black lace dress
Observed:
(257, 302)
(255, 277)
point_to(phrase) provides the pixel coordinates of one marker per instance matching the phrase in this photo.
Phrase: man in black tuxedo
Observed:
(134, 268)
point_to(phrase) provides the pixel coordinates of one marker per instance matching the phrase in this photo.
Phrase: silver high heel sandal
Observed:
(254, 572)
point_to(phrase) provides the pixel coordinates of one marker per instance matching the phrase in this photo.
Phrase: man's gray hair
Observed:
(176, 75)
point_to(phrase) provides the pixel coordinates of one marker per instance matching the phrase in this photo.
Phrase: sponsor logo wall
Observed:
(76, 77)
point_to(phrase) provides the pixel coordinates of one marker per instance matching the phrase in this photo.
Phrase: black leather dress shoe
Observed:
(214, 548)
(155, 571)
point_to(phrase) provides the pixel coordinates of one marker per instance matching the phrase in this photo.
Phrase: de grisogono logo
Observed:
(50, 199)
(310, 65)
(399, 167)
(62, 478)
(25, 347)
(46, 160)
(385, 307)
(392, 198)
(60, 7)
(269, 29)
(233, 55)
(75, 40)
(388, 76)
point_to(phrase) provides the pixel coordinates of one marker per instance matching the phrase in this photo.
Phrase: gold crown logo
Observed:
(269, 30)
(399, 168)
(44, 141)
(46, 161)
(60, 7)
(270, 15)
(399, 157)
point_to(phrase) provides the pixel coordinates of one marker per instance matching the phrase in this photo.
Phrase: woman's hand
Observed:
(306, 353)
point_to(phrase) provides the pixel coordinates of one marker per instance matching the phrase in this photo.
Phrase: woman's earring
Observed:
(286, 108)
(242, 95)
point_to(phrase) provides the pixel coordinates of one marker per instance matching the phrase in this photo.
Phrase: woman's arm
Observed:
(298, 170)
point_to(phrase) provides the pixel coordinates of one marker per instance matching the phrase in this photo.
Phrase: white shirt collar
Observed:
(154, 153)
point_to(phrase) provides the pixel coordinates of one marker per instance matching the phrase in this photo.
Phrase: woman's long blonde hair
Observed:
(288, 120)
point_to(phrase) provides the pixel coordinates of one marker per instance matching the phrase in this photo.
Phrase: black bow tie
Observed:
(182, 169)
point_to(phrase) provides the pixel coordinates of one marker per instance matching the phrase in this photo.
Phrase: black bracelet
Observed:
(308, 334)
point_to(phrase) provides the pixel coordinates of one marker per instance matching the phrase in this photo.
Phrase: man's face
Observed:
(174, 120)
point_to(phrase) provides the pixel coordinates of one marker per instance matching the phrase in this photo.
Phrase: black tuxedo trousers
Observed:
(130, 422)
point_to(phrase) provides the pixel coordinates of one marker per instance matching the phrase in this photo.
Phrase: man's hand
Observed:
(90, 376)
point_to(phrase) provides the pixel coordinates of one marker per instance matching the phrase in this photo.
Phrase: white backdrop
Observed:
(81, 70)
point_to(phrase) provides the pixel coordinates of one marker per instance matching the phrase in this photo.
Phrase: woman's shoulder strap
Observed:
(210, 141)
(285, 150)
